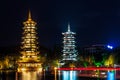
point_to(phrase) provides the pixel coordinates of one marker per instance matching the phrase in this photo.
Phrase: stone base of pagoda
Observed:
(29, 66)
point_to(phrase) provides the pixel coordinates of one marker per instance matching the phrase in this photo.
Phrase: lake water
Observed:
(38, 75)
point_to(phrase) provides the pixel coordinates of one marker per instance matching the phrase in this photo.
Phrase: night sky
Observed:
(94, 21)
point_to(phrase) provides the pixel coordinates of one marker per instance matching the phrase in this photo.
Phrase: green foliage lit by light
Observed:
(110, 61)
(98, 64)
(55, 63)
(85, 64)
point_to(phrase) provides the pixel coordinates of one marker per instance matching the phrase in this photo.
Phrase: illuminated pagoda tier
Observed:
(29, 59)
(69, 48)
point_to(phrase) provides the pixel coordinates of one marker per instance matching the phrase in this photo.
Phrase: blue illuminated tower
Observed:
(69, 48)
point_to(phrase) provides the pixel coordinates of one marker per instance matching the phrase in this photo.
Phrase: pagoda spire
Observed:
(29, 15)
(68, 27)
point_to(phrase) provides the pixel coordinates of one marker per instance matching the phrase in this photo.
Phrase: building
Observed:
(29, 47)
(69, 48)
(98, 53)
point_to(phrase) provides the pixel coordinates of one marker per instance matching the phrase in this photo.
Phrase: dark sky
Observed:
(94, 21)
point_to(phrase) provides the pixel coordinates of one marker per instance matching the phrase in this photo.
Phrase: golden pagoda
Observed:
(29, 59)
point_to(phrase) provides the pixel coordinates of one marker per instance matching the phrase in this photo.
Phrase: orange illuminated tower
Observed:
(29, 47)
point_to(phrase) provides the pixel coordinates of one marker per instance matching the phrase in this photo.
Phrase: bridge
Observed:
(91, 68)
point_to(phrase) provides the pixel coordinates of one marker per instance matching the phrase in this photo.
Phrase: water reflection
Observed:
(32, 75)
(69, 75)
(55, 75)
(58, 75)
(111, 75)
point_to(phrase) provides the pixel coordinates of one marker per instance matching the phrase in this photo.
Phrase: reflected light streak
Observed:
(59, 73)
(72, 75)
(111, 75)
(65, 75)
(16, 76)
(31, 75)
(55, 74)
(69, 75)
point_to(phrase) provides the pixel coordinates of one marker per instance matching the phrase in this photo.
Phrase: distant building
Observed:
(98, 51)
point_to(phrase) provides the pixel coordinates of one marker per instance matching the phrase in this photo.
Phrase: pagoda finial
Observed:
(68, 27)
(29, 15)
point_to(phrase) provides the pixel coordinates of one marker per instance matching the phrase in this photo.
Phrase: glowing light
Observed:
(55, 73)
(65, 75)
(110, 47)
(110, 75)
(72, 75)
(21, 69)
(69, 75)
(103, 73)
(39, 69)
(91, 68)
(30, 76)
(55, 68)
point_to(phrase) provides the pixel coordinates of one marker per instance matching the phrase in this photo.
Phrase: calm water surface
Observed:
(37, 75)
